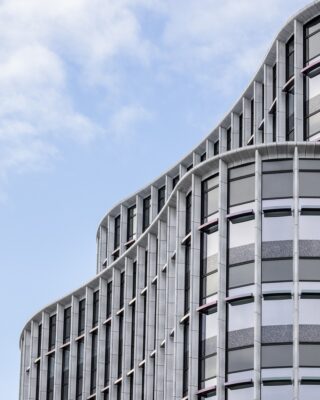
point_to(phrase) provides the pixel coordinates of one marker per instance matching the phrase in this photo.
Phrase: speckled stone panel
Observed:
(241, 254)
(277, 249)
(309, 248)
(309, 333)
(240, 338)
(277, 334)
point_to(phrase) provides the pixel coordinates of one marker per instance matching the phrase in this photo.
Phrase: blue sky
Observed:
(97, 98)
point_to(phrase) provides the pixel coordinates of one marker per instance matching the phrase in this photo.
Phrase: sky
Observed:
(98, 98)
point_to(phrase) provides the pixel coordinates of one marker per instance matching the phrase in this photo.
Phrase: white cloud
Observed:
(46, 48)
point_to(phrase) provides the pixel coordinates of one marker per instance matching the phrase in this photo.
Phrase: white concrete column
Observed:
(246, 106)
(222, 140)
(281, 96)
(110, 239)
(268, 118)
(170, 303)
(101, 248)
(151, 322)
(138, 354)
(154, 203)
(127, 329)
(257, 279)
(296, 276)
(44, 358)
(114, 340)
(257, 115)
(168, 186)
(222, 266)
(87, 343)
(101, 349)
(161, 310)
(194, 287)
(234, 131)
(179, 294)
(298, 81)
(123, 228)
(195, 158)
(73, 347)
(33, 356)
(58, 355)
(209, 148)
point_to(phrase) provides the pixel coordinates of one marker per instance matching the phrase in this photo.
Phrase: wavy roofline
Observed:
(264, 61)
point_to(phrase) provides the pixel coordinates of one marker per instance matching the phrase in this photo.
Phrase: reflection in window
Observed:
(290, 58)
(240, 359)
(209, 266)
(309, 392)
(132, 223)
(277, 179)
(283, 392)
(240, 316)
(312, 37)
(188, 212)
(309, 355)
(276, 356)
(307, 314)
(241, 185)
(146, 213)
(117, 232)
(241, 234)
(309, 269)
(309, 176)
(277, 311)
(50, 377)
(208, 349)
(277, 270)
(242, 393)
(290, 114)
(240, 275)
(161, 197)
(210, 197)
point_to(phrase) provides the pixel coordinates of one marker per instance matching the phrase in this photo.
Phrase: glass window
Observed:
(107, 356)
(109, 299)
(240, 130)
(242, 393)
(52, 332)
(277, 228)
(133, 330)
(132, 223)
(228, 139)
(290, 115)
(95, 308)
(277, 312)
(209, 266)
(309, 392)
(276, 356)
(79, 376)
(241, 275)
(50, 377)
(290, 58)
(81, 318)
(241, 190)
(185, 367)
(283, 392)
(309, 183)
(122, 289)
(277, 270)
(309, 227)
(120, 342)
(175, 180)
(240, 316)
(146, 212)
(240, 359)
(188, 212)
(161, 197)
(117, 232)
(307, 314)
(210, 197)
(277, 179)
(274, 81)
(187, 279)
(66, 324)
(309, 355)
(39, 340)
(241, 234)
(216, 148)
(312, 43)
(309, 269)
(93, 373)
